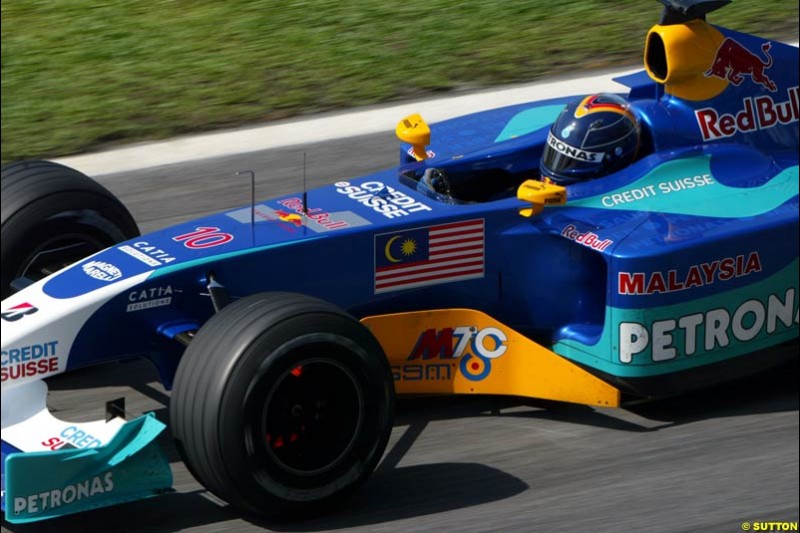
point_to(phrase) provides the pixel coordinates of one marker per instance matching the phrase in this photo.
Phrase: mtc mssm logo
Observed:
(474, 347)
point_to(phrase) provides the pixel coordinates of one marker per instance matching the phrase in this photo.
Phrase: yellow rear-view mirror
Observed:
(540, 194)
(414, 130)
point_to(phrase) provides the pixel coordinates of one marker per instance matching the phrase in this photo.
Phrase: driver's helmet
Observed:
(591, 138)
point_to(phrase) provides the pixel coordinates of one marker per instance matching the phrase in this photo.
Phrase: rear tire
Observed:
(53, 216)
(282, 404)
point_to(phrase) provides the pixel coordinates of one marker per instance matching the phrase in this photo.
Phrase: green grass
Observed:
(80, 75)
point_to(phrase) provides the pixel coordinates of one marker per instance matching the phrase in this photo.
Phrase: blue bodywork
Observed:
(685, 204)
(687, 258)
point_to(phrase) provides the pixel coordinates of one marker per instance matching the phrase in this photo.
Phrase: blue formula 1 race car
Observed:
(575, 249)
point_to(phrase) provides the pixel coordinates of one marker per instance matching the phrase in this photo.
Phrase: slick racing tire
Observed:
(53, 216)
(282, 404)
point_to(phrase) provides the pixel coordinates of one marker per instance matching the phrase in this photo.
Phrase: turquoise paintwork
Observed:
(711, 200)
(605, 353)
(44, 485)
(529, 121)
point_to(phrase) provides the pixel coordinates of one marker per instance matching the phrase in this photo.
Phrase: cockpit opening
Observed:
(467, 186)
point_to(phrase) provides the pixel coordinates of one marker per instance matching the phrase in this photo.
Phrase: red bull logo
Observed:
(291, 218)
(759, 113)
(302, 212)
(733, 62)
(588, 239)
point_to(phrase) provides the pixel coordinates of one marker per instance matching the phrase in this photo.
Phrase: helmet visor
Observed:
(561, 159)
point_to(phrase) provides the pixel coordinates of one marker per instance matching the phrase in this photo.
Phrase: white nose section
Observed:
(29, 426)
(38, 330)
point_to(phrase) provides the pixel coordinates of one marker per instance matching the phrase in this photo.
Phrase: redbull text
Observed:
(588, 239)
(759, 113)
(316, 215)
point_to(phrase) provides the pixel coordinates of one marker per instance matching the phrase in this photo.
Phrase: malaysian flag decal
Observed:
(429, 256)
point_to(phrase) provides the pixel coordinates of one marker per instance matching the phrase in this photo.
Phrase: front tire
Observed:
(53, 216)
(282, 404)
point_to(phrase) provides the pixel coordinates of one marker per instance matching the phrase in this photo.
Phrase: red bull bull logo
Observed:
(301, 212)
(733, 62)
(291, 218)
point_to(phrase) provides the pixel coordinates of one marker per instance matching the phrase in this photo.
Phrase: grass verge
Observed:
(80, 75)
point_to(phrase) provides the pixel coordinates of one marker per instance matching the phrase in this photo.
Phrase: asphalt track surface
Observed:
(701, 462)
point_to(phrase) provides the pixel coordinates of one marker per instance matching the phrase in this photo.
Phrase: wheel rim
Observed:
(312, 417)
